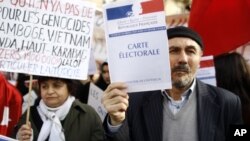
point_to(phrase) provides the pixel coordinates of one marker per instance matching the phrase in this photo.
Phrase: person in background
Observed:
(10, 106)
(82, 90)
(59, 116)
(190, 111)
(20, 84)
(104, 79)
(233, 74)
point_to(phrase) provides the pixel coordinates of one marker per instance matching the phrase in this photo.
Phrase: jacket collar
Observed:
(208, 112)
(73, 114)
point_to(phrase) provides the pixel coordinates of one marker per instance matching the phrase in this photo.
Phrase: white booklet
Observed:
(137, 45)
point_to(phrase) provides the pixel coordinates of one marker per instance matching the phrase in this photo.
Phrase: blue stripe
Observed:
(119, 12)
(209, 77)
(137, 31)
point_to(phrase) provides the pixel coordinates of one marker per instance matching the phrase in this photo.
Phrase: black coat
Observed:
(217, 109)
(81, 123)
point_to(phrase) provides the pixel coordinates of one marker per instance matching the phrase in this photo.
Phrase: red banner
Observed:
(223, 24)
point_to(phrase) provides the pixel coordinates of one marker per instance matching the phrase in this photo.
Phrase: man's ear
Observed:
(201, 53)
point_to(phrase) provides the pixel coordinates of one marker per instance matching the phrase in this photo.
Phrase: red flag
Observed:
(223, 24)
(10, 106)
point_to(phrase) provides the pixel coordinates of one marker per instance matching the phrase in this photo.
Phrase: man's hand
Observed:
(115, 101)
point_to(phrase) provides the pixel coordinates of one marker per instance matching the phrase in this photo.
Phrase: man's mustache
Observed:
(183, 68)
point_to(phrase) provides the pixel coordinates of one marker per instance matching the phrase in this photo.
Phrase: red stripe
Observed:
(152, 6)
(206, 63)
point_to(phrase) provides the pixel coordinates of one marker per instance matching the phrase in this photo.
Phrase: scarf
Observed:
(51, 117)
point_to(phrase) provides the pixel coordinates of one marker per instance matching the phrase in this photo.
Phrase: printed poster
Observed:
(137, 45)
(46, 37)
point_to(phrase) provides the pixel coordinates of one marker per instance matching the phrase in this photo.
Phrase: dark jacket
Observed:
(101, 83)
(81, 123)
(217, 110)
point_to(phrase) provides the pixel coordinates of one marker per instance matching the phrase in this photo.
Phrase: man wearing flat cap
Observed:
(190, 111)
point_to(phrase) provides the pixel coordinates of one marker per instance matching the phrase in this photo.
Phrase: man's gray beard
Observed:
(180, 84)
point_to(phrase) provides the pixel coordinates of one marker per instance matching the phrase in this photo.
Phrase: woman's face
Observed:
(54, 92)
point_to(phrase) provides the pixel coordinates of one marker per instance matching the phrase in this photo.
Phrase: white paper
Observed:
(137, 47)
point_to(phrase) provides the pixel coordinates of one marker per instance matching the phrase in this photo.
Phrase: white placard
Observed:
(95, 96)
(206, 72)
(137, 46)
(46, 37)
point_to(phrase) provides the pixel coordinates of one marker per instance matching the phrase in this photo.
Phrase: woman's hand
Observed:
(24, 133)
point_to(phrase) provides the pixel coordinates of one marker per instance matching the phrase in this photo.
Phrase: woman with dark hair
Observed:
(59, 116)
(233, 74)
(104, 79)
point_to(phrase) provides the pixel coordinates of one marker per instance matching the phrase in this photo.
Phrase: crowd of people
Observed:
(191, 110)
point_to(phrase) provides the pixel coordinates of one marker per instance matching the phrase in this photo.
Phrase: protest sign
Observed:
(137, 45)
(94, 100)
(46, 37)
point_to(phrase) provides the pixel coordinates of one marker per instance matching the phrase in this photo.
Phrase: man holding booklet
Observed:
(191, 110)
